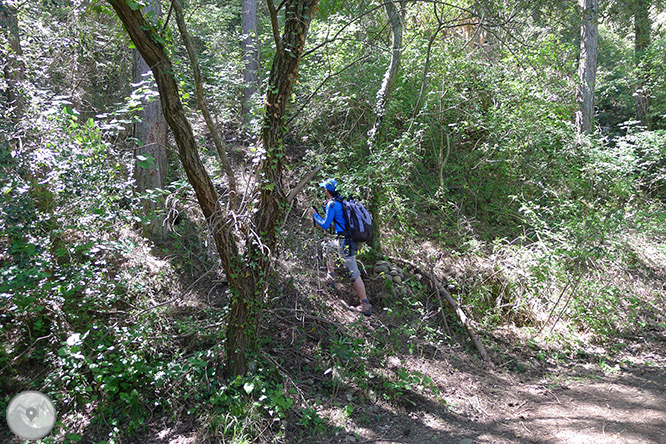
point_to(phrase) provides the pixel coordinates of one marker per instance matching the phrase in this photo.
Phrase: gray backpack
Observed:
(357, 219)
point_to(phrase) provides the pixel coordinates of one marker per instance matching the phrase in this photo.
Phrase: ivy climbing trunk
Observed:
(272, 197)
(148, 43)
(248, 274)
(391, 73)
(396, 23)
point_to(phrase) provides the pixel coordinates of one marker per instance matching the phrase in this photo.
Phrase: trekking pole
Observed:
(314, 234)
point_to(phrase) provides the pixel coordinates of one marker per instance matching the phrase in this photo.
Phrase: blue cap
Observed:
(329, 184)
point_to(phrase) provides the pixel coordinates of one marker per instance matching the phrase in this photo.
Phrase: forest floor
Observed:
(518, 399)
(574, 401)
(529, 392)
(615, 394)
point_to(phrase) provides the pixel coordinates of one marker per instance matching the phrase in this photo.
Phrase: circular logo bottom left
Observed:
(31, 415)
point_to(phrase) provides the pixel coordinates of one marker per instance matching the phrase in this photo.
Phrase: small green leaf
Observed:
(248, 387)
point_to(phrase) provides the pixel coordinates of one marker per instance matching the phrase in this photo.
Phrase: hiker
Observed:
(342, 245)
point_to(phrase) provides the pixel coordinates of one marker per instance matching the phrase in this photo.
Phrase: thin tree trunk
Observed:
(151, 132)
(220, 146)
(587, 68)
(12, 67)
(391, 72)
(250, 48)
(642, 32)
(388, 81)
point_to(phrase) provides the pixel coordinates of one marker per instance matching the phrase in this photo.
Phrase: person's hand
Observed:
(312, 212)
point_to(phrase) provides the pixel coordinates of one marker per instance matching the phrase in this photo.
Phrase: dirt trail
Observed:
(574, 404)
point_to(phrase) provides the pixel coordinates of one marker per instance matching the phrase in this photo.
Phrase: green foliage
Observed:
(487, 168)
(398, 389)
(614, 94)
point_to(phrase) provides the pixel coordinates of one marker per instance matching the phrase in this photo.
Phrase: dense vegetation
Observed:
(477, 172)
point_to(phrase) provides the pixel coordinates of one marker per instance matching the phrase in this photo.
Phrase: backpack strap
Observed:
(338, 198)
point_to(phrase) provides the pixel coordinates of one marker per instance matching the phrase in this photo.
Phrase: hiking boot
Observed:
(365, 308)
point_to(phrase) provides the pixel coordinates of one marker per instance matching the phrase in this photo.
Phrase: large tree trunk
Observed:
(642, 32)
(250, 47)
(151, 132)
(12, 65)
(247, 278)
(587, 68)
(284, 73)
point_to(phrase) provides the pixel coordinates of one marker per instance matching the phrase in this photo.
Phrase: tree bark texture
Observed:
(642, 32)
(153, 52)
(247, 276)
(12, 66)
(151, 131)
(587, 67)
(391, 74)
(250, 48)
(272, 197)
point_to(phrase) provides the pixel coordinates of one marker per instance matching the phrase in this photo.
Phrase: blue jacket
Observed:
(333, 213)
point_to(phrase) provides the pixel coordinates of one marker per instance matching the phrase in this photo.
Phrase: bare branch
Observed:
(274, 24)
(302, 183)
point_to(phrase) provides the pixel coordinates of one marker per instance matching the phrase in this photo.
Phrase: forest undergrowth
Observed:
(127, 336)
(551, 242)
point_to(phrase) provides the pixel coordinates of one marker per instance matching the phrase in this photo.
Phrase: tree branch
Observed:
(323, 82)
(294, 192)
(464, 320)
(217, 139)
(274, 24)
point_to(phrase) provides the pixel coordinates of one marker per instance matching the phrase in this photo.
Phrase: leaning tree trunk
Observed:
(220, 146)
(587, 68)
(12, 66)
(642, 31)
(151, 132)
(247, 278)
(284, 73)
(154, 53)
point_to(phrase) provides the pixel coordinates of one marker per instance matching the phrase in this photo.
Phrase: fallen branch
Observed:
(462, 317)
(302, 183)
